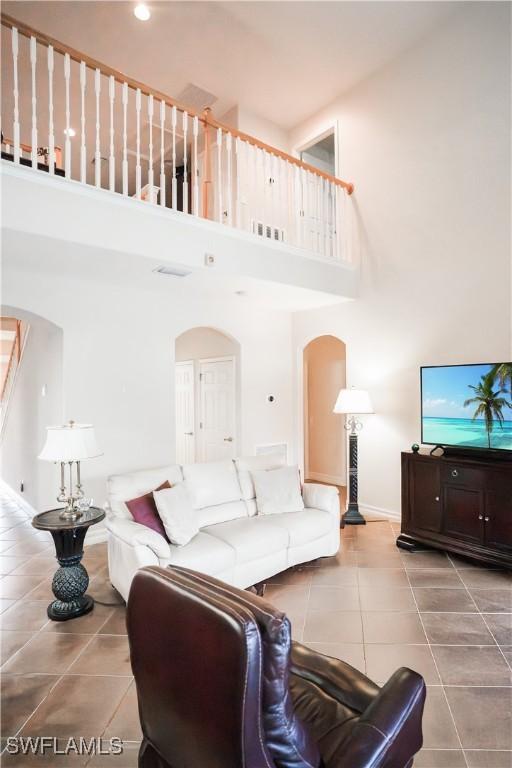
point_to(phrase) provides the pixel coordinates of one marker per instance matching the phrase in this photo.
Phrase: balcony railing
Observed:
(121, 135)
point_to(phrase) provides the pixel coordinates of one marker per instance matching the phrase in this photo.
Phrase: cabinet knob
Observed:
(455, 473)
(487, 519)
(437, 498)
(480, 517)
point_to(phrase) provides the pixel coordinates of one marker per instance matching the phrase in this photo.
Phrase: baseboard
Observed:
(330, 479)
(379, 513)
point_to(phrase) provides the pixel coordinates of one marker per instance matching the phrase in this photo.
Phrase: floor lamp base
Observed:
(353, 516)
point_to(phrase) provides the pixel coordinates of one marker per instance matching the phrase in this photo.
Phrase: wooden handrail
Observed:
(205, 117)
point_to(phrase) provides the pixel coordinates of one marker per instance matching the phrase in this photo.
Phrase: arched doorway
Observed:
(207, 395)
(324, 361)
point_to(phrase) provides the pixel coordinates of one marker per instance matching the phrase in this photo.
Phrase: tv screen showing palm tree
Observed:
(467, 405)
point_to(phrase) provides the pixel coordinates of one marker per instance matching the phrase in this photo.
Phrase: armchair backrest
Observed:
(197, 664)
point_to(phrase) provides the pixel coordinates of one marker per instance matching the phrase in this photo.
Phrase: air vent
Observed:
(172, 271)
(268, 231)
(196, 98)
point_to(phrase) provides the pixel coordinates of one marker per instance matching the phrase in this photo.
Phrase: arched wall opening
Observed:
(324, 374)
(207, 395)
(35, 402)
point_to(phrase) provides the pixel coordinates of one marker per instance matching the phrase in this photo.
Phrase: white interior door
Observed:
(185, 427)
(217, 409)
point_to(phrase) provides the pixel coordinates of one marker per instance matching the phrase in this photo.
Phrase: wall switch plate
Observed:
(209, 259)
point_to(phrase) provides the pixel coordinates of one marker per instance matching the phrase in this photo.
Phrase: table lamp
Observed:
(353, 402)
(70, 444)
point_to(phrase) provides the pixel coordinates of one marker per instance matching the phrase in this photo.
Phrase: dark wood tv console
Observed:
(458, 504)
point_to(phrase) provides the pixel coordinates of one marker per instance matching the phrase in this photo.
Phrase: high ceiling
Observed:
(282, 60)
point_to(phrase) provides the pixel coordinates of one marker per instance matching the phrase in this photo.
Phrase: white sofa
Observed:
(234, 543)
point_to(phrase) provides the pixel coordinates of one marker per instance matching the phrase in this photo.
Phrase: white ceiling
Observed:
(282, 60)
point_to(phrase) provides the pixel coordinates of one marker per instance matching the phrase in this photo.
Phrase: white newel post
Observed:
(97, 153)
(138, 173)
(151, 174)
(229, 178)
(51, 134)
(174, 185)
(125, 139)
(185, 163)
(195, 168)
(219, 173)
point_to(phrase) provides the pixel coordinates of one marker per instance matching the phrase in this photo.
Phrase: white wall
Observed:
(118, 361)
(35, 403)
(427, 143)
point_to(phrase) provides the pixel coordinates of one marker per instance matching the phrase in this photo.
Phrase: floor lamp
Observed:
(353, 402)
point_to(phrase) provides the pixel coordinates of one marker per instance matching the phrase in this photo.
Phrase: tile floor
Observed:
(372, 605)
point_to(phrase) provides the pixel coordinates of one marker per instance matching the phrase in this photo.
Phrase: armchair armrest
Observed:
(135, 534)
(336, 678)
(324, 497)
(388, 734)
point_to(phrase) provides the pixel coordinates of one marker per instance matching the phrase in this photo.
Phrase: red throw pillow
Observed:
(144, 511)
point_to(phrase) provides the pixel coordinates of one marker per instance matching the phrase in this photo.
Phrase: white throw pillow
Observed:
(174, 506)
(278, 490)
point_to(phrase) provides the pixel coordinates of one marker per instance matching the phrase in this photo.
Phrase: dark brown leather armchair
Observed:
(220, 684)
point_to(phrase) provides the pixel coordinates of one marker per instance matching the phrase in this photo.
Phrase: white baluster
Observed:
(111, 158)
(195, 168)
(321, 214)
(297, 204)
(219, 174)
(67, 144)
(138, 173)
(33, 57)
(162, 153)
(229, 178)
(174, 184)
(238, 170)
(16, 115)
(125, 139)
(97, 153)
(334, 247)
(151, 175)
(51, 135)
(185, 163)
(83, 148)
(255, 191)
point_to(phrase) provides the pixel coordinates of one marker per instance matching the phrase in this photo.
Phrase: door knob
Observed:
(188, 433)
(228, 439)
(480, 517)
(486, 519)
(437, 498)
(455, 473)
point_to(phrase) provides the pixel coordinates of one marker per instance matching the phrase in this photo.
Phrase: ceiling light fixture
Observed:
(142, 12)
(69, 132)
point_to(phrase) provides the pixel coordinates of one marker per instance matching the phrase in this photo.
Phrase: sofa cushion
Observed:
(175, 510)
(304, 526)
(250, 537)
(278, 490)
(121, 488)
(212, 483)
(144, 511)
(220, 513)
(204, 553)
(247, 464)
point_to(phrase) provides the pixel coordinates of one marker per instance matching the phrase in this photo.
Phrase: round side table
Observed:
(71, 579)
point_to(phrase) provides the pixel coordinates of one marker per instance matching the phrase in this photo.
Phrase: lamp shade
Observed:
(353, 401)
(70, 442)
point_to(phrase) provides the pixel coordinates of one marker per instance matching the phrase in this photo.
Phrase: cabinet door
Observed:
(498, 520)
(424, 502)
(463, 513)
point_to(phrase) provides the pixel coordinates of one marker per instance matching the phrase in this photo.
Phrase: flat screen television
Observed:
(467, 406)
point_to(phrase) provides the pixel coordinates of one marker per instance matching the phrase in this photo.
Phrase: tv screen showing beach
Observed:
(467, 405)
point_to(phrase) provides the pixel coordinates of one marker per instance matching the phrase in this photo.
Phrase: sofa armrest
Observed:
(336, 678)
(135, 534)
(324, 497)
(389, 733)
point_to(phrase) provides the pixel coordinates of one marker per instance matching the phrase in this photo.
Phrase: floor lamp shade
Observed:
(355, 401)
